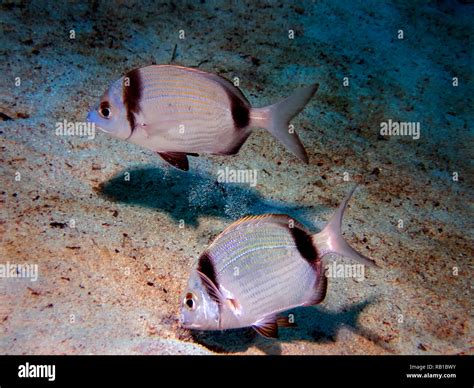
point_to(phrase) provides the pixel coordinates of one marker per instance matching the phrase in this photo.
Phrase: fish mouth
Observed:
(90, 119)
(102, 129)
(191, 326)
(188, 325)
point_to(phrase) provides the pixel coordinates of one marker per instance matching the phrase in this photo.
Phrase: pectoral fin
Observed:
(234, 306)
(176, 159)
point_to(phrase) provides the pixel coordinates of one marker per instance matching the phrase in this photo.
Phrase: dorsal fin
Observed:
(303, 240)
(281, 219)
(224, 82)
(244, 220)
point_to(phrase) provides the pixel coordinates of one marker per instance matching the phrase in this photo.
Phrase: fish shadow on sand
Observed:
(192, 194)
(314, 324)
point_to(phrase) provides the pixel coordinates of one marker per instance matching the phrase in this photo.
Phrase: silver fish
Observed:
(259, 267)
(178, 111)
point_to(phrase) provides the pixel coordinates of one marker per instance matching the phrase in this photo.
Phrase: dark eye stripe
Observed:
(132, 94)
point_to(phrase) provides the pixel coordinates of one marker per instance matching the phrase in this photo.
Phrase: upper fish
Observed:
(178, 111)
(259, 267)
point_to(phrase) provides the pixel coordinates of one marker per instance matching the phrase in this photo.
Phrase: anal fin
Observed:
(267, 327)
(176, 159)
(285, 322)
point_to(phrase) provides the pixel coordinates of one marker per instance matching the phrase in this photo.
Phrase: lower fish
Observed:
(179, 111)
(259, 267)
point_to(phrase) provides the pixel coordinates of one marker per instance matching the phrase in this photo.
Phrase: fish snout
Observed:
(90, 117)
(93, 117)
(188, 323)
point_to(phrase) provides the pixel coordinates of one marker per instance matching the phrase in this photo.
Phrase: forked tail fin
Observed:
(330, 239)
(276, 119)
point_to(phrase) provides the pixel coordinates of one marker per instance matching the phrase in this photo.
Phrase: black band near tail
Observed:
(240, 112)
(304, 244)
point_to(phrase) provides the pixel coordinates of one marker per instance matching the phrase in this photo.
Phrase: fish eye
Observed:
(189, 301)
(104, 110)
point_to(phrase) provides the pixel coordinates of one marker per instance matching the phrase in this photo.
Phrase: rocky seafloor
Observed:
(114, 255)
